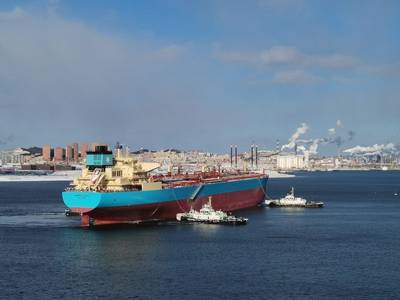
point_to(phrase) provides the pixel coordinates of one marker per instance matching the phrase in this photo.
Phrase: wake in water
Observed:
(40, 220)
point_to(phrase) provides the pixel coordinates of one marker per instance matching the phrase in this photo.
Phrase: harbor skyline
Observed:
(193, 75)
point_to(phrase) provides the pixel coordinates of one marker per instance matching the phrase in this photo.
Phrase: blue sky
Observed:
(198, 74)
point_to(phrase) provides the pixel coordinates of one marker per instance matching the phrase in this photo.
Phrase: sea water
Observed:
(350, 249)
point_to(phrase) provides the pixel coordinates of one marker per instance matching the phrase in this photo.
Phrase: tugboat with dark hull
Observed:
(291, 201)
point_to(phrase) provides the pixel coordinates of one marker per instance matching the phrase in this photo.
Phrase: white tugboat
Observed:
(208, 215)
(291, 201)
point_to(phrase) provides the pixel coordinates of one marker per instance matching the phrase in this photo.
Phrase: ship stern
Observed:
(81, 202)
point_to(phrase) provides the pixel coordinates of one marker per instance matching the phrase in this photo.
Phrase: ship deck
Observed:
(181, 180)
(184, 180)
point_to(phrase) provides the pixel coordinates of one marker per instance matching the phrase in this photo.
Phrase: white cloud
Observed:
(172, 51)
(278, 55)
(235, 57)
(392, 70)
(16, 13)
(64, 79)
(331, 61)
(290, 65)
(295, 77)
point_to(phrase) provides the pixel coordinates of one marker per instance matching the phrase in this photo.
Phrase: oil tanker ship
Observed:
(119, 189)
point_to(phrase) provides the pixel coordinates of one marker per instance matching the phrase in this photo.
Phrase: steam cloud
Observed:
(310, 146)
(376, 149)
(295, 136)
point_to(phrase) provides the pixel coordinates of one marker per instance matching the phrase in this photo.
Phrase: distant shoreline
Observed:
(56, 176)
(343, 170)
(63, 176)
(30, 178)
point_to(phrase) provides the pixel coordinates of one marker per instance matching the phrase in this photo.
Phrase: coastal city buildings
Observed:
(173, 160)
(59, 154)
(68, 153)
(14, 157)
(84, 148)
(46, 157)
(47, 152)
(75, 150)
(292, 161)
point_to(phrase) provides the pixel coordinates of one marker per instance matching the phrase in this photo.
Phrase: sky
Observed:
(198, 74)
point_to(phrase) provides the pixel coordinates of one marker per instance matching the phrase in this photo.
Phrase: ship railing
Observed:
(183, 183)
(102, 190)
(202, 176)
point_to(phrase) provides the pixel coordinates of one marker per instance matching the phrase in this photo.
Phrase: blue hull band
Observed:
(92, 200)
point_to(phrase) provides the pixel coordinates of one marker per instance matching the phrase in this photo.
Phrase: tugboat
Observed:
(210, 216)
(291, 201)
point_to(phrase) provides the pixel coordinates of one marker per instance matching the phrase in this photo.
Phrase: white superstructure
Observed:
(290, 200)
(208, 215)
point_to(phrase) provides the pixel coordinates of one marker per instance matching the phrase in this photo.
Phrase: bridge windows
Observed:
(117, 173)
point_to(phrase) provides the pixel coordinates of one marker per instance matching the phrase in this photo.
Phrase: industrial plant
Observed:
(72, 156)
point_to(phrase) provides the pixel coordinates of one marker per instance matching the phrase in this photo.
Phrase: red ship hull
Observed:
(167, 211)
(102, 208)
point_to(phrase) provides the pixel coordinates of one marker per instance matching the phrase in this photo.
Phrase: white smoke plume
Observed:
(311, 146)
(315, 144)
(302, 148)
(314, 147)
(295, 136)
(376, 149)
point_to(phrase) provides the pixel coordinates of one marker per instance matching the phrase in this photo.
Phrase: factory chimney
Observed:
(256, 156)
(231, 156)
(252, 155)
(236, 156)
